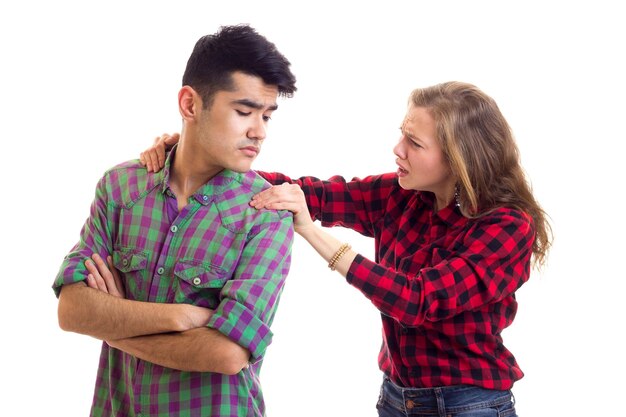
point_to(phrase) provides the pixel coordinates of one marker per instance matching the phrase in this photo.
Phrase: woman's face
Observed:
(422, 165)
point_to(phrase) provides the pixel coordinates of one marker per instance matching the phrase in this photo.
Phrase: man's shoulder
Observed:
(241, 186)
(129, 181)
(254, 183)
(128, 168)
(234, 204)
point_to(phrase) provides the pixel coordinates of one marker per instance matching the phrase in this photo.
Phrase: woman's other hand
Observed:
(153, 158)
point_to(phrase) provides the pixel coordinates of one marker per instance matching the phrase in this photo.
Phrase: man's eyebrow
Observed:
(253, 104)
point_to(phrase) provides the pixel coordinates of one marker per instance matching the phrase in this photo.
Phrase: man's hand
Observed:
(153, 158)
(104, 279)
(107, 279)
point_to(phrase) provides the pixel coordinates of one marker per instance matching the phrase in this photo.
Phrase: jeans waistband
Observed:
(456, 397)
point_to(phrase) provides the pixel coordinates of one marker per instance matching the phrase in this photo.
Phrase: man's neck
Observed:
(188, 172)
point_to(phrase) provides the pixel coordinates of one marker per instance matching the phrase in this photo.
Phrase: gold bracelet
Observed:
(340, 252)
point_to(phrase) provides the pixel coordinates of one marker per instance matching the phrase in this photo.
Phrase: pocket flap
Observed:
(200, 274)
(126, 260)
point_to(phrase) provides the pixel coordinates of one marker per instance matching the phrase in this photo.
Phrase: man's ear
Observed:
(188, 103)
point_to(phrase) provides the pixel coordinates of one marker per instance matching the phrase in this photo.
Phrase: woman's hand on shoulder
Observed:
(153, 158)
(285, 197)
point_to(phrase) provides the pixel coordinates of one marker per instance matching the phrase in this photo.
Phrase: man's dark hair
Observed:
(236, 48)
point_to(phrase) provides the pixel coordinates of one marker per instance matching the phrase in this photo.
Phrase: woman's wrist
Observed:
(305, 230)
(332, 264)
(337, 254)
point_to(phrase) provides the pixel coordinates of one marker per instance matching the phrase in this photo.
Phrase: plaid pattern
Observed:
(218, 252)
(444, 283)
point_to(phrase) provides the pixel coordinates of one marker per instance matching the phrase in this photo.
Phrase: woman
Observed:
(455, 229)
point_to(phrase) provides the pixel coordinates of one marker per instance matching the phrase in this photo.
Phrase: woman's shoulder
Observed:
(516, 222)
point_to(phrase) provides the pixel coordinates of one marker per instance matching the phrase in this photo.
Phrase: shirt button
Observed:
(125, 262)
(197, 281)
(174, 229)
(205, 197)
(160, 271)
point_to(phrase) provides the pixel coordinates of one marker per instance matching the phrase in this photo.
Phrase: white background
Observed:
(85, 85)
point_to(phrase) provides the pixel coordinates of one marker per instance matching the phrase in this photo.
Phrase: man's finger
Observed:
(107, 276)
(97, 278)
(117, 278)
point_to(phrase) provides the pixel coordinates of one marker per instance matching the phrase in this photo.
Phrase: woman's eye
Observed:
(415, 144)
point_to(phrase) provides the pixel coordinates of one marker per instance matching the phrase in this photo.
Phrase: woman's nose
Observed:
(399, 150)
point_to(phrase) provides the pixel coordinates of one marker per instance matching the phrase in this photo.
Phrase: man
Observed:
(186, 321)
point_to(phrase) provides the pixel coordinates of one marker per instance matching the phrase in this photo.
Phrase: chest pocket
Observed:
(132, 264)
(198, 283)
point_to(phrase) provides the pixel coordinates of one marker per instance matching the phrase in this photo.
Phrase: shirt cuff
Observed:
(362, 271)
(71, 271)
(240, 325)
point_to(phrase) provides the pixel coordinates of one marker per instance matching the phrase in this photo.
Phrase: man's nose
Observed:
(258, 130)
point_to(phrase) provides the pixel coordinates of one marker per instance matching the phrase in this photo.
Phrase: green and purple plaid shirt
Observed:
(218, 252)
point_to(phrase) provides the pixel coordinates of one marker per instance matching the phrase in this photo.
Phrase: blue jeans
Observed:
(454, 401)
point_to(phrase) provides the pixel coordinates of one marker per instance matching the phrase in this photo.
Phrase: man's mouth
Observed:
(250, 151)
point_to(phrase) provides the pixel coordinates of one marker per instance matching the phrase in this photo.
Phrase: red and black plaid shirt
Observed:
(444, 284)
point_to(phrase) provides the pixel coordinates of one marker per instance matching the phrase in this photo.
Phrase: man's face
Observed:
(232, 129)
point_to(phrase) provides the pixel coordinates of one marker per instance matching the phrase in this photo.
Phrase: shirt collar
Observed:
(205, 194)
(450, 215)
(164, 175)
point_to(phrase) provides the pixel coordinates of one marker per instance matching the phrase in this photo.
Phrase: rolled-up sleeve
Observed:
(249, 300)
(491, 263)
(94, 238)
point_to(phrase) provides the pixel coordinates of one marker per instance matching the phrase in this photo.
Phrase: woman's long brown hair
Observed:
(483, 155)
